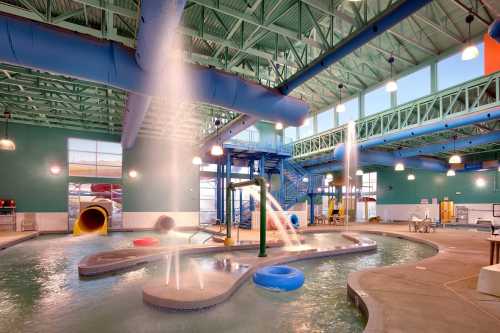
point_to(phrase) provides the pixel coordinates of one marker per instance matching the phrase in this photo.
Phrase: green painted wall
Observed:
(25, 172)
(394, 188)
(167, 181)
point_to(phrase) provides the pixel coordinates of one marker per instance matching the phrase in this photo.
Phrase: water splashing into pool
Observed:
(198, 272)
(350, 167)
(276, 214)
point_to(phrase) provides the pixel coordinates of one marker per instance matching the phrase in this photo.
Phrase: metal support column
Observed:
(251, 170)
(434, 78)
(282, 181)
(262, 166)
(217, 193)
(311, 208)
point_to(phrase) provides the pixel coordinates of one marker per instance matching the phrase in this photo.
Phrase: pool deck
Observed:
(437, 294)
(11, 238)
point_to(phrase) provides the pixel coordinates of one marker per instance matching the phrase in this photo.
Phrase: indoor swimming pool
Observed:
(40, 291)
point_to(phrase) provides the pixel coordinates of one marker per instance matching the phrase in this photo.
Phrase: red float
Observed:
(146, 241)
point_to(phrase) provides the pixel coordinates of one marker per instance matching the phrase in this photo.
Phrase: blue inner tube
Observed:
(279, 278)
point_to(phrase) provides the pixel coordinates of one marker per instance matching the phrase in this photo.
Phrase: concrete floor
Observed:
(10, 238)
(437, 294)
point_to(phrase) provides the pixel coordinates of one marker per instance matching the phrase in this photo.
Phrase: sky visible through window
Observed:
(451, 71)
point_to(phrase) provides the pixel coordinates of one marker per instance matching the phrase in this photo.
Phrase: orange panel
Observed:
(491, 55)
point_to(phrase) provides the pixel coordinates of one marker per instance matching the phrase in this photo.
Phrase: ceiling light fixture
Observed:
(391, 86)
(359, 172)
(217, 148)
(399, 167)
(455, 158)
(411, 176)
(278, 126)
(470, 51)
(341, 106)
(5, 142)
(451, 173)
(133, 174)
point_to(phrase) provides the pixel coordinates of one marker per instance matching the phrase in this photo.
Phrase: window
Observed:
(414, 85)
(369, 183)
(307, 129)
(208, 211)
(91, 158)
(377, 100)
(290, 134)
(351, 112)
(325, 120)
(453, 70)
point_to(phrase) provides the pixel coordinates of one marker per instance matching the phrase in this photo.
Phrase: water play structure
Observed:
(92, 219)
(279, 278)
(261, 182)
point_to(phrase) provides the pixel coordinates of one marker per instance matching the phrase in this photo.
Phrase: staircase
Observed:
(246, 216)
(295, 188)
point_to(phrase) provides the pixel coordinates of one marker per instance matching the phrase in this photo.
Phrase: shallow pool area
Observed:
(40, 290)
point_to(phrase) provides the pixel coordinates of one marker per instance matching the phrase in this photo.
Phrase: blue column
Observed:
(218, 192)
(241, 205)
(262, 166)
(228, 176)
(311, 208)
(221, 185)
(282, 181)
(251, 170)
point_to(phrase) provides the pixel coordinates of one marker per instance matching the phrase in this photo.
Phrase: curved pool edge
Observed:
(223, 285)
(10, 239)
(388, 296)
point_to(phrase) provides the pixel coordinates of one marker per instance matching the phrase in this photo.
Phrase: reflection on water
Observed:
(40, 291)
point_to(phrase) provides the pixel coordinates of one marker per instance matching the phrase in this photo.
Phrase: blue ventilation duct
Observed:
(157, 25)
(373, 29)
(38, 46)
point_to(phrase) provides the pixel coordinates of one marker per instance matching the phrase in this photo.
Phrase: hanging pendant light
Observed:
(451, 173)
(5, 142)
(470, 51)
(217, 148)
(399, 167)
(341, 106)
(278, 126)
(359, 172)
(411, 176)
(391, 86)
(455, 158)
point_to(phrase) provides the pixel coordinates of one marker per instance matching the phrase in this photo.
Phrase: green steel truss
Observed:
(270, 40)
(469, 97)
(40, 98)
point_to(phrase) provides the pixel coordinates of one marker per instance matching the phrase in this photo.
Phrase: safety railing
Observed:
(472, 96)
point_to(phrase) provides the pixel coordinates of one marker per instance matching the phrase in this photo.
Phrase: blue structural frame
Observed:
(375, 28)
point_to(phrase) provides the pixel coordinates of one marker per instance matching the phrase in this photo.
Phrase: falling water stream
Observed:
(275, 212)
(350, 167)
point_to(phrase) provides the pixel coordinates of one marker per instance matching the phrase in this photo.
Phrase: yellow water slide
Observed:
(93, 219)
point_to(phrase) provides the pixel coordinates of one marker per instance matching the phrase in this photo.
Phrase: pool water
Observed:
(40, 291)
